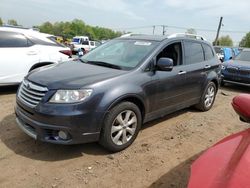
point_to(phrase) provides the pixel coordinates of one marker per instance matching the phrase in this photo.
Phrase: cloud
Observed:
(118, 6)
(214, 7)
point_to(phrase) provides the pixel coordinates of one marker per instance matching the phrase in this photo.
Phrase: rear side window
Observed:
(13, 40)
(208, 52)
(193, 52)
(46, 43)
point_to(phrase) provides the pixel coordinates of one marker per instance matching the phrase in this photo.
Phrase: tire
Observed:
(208, 97)
(117, 120)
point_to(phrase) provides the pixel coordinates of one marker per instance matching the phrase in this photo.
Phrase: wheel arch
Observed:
(37, 65)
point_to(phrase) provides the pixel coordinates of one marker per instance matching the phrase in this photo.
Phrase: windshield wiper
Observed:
(82, 60)
(104, 64)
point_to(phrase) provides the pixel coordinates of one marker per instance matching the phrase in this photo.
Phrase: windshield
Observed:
(76, 40)
(243, 56)
(125, 54)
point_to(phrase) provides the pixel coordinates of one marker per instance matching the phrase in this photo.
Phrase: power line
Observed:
(179, 27)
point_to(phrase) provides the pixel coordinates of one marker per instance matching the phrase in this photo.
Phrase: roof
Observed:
(160, 38)
(29, 33)
(246, 49)
(146, 37)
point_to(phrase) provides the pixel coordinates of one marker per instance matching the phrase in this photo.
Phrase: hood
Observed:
(226, 164)
(72, 75)
(237, 63)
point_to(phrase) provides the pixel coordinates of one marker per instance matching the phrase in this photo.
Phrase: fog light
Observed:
(63, 135)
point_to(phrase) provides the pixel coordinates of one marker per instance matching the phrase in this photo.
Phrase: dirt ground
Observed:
(161, 156)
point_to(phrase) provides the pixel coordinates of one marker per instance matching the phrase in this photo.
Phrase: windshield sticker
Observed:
(142, 43)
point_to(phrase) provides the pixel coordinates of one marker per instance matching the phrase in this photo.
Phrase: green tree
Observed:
(225, 41)
(191, 31)
(245, 41)
(77, 27)
(46, 27)
(12, 22)
(1, 22)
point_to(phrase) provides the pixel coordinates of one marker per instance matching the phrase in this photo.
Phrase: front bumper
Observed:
(80, 128)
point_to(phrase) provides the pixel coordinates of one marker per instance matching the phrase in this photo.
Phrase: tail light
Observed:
(66, 52)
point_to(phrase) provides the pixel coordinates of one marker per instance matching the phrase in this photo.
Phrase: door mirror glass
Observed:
(165, 64)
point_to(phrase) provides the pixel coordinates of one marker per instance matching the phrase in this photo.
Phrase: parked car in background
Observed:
(219, 52)
(83, 43)
(226, 53)
(226, 164)
(237, 71)
(23, 50)
(111, 91)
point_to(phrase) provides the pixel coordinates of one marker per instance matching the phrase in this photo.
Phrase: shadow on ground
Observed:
(237, 88)
(22, 144)
(5, 90)
(177, 177)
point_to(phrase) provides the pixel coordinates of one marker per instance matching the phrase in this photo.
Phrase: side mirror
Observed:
(165, 64)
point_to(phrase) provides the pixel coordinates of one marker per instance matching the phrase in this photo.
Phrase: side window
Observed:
(193, 52)
(173, 51)
(208, 52)
(12, 39)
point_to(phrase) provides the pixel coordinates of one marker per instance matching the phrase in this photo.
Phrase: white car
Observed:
(23, 50)
(83, 43)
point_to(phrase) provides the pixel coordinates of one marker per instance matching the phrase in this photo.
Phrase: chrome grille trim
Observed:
(31, 94)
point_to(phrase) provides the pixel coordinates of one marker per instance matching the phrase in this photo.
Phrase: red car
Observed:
(227, 163)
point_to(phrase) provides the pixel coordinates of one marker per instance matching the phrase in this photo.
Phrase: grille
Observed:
(30, 93)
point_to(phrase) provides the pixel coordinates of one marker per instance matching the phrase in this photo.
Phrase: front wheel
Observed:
(121, 126)
(208, 97)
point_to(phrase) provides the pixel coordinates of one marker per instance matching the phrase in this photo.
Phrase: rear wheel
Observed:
(121, 126)
(208, 97)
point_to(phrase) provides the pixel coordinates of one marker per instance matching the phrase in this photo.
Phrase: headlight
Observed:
(70, 96)
(223, 67)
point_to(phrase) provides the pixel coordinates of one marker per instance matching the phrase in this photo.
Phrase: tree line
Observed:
(73, 28)
(69, 29)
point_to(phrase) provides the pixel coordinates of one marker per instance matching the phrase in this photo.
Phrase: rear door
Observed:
(195, 67)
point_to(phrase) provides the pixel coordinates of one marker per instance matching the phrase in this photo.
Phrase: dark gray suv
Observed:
(110, 92)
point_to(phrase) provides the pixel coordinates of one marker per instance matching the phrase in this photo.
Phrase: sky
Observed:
(137, 16)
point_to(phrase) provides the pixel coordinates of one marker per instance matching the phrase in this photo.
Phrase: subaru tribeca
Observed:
(110, 92)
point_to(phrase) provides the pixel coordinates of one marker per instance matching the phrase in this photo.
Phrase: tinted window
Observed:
(193, 52)
(42, 42)
(243, 56)
(12, 39)
(208, 51)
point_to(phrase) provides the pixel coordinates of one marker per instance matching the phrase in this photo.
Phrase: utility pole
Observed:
(153, 29)
(163, 30)
(218, 31)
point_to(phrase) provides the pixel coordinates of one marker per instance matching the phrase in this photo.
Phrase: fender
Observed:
(37, 65)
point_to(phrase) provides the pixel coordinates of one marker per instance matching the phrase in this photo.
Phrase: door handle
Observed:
(182, 72)
(207, 66)
(32, 53)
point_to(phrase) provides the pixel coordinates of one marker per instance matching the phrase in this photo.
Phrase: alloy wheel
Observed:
(123, 127)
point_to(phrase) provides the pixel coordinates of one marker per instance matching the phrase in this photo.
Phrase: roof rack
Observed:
(187, 35)
(131, 34)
